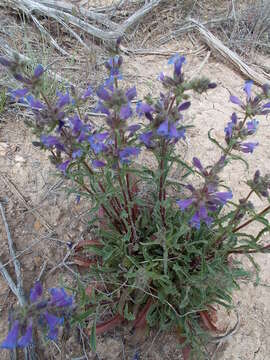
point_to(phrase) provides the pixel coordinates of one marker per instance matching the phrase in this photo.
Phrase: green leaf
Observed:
(93, 337)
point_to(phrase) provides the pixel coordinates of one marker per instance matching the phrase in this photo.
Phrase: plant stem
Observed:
(252, 219)
(254, 251)
(161, 183)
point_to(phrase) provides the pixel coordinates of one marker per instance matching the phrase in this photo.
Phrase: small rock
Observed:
(19, 158)
(3, 148)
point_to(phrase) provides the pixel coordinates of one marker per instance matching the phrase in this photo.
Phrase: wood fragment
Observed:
(215, 44)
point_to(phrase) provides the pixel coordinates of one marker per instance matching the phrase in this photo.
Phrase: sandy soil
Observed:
(42, 219)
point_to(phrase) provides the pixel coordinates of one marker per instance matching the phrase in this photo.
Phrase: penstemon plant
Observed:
(159, 252)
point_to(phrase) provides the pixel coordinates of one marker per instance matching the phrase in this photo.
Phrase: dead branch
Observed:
(17, 289)
(214, 43)
(66, 14)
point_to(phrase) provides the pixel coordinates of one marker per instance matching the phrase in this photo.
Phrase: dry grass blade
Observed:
(6, 49)
(46, 34)
(215, 44)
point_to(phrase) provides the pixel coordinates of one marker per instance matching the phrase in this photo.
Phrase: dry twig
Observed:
(215, 44)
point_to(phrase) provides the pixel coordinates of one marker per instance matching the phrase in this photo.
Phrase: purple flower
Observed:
(178, 61)
(247, 88)
(132, 129)
(53, 322)
(143, 109)
(88, 92)
(161, 76)
(103, 94)
(4, 61)
(125, 112)
(199, 216)
(222, 197)
(19, 93)
(97, 142)
(236, 100)
(197, 164)
(75, 124)
(35, 104)
(266, 106)
(230, 126)
(184, 106)
(163, 129)
(77, 153)
(101, 108)
(60, 298)
(39, 70)
(247, 147)
(50, 141)
(131, 93)
(183, 204)
(36, 292)
(27, 338)
(10, 341)
(98, 163)
(252, 126)
(127, 152)
(63, 167)
(63, 100)
(146, 138)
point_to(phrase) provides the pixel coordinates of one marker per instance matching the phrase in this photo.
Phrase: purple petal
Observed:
(100, 108)
(146, 138)
(63, 100)
(143, 108)
(266, 106)
(19, 93)
(27, 338)
(183, 204)
(87, 93)
(10, 341)
(77, 154)
(173, 133)
(63, 167)
(178, 65)
(247, 88)
(4, 61)
(195, 221)
(234, 118)
(60, 298)
(39, 70)
(131, 93)
(197, 164)
(132, 129)
(75, 124)
(161, 76)
(184, 106)
(36, 104)
(127, 152)
(163, 129)
(125, 112)
(224, 196)
(103, 94)
(235, 100)
(36, 292)
(98, 163)
(173, 59)
(248, 147)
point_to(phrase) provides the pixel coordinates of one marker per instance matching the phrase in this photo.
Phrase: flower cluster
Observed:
(206, 199)
(47, 314)
(235, 130)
